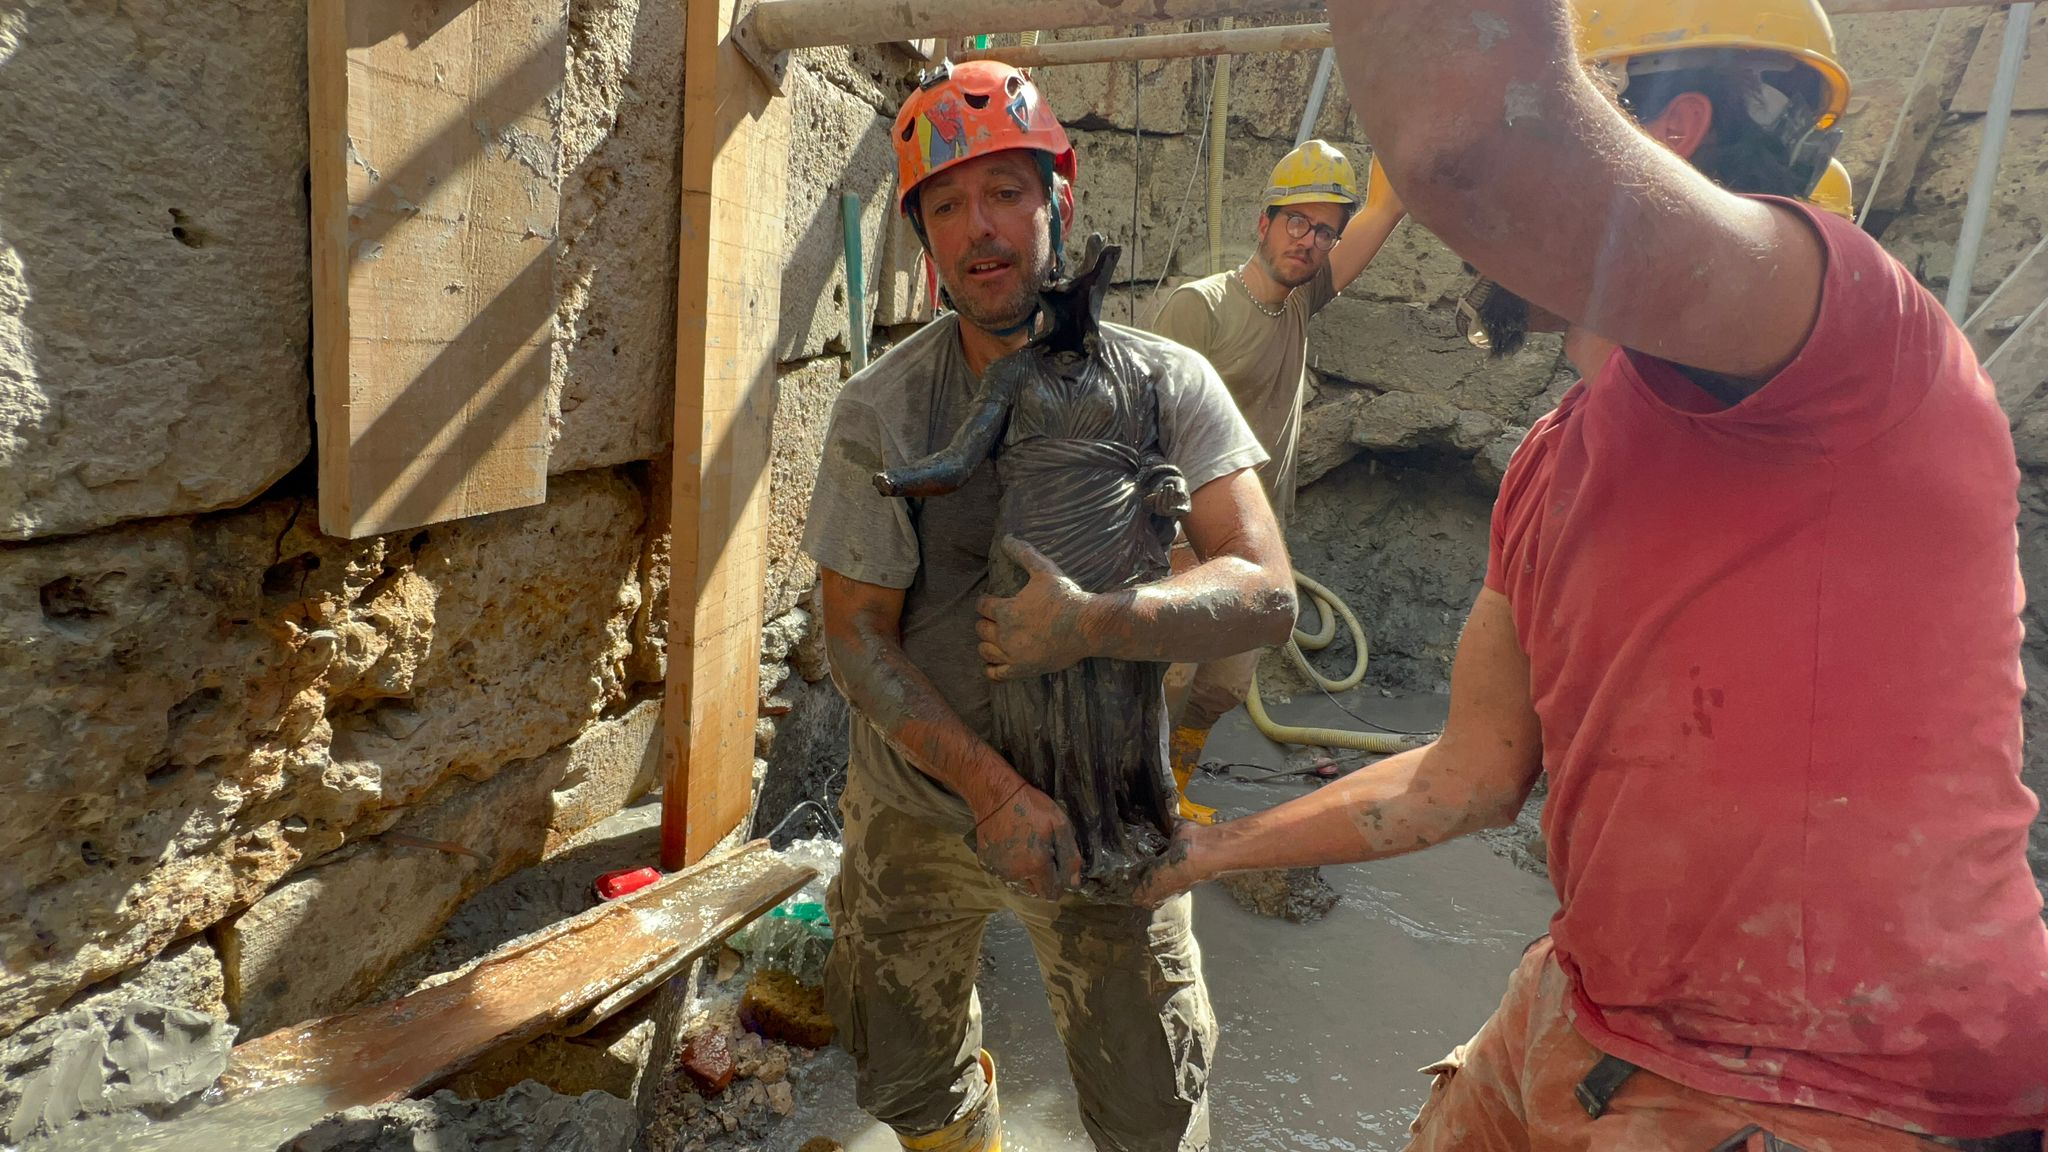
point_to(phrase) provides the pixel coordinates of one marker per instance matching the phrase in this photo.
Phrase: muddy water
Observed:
(258, 1122)
(1323, 1025)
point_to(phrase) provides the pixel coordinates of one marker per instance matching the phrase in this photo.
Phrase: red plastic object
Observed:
(625, 882)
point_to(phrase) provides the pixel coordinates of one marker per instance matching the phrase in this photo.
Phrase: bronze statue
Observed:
(1084, 482)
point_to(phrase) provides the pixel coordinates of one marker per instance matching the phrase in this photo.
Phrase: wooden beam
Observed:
(728, 299)
(783, 24)
(435, 195)
(1216, 42)
(279, 1084)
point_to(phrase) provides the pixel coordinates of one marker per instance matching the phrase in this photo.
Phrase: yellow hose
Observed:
(1329, 606)
(1219, 118)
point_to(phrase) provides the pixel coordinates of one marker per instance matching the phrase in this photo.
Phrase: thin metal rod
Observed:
(1317, 89)
(2019, 270)
(2012, 341)
(780, 24)
(1180, 217)
(1173, 45)
(1997, 119)
(1137, 159)
(1865, 7)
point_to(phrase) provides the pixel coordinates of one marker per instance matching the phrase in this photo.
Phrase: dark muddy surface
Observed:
(1323, 1024)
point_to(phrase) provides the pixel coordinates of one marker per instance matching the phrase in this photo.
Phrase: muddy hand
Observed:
(1178, 869)
(1029, 844)
(1039, 630)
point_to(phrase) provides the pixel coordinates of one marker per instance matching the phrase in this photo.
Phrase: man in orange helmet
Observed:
(941, 832)
(1751, 605)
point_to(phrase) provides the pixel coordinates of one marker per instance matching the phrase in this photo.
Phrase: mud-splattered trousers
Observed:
(1520, 1085)
(907, 911)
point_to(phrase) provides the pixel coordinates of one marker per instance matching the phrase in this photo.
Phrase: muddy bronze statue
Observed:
(1072, 422)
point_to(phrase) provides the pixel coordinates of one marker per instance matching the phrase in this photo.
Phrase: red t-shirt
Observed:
(1775, 652)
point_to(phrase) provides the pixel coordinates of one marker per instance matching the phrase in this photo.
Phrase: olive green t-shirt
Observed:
(1263, 361)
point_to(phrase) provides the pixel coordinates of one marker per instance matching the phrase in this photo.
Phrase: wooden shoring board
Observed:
(280, 1084)
(728, 299)
(435, 199)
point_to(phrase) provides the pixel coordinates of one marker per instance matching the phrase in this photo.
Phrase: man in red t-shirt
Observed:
(1752, 603)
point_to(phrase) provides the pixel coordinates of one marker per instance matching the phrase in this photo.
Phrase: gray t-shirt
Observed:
(907, 405)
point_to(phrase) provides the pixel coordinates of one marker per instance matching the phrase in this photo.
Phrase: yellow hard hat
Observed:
(1619, 30)
(1834, 192)
(1314, 173)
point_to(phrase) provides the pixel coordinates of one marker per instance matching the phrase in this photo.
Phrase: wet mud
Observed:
(1323, 1024)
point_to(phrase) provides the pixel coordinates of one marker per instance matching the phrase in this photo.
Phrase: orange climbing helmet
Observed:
(962, 111)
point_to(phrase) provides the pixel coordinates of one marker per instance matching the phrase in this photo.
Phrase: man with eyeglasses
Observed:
(1252, 323)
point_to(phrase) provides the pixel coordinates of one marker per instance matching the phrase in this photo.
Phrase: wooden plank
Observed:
(278, 1085)
(1974, 95)
(435, 190)
(729, 295)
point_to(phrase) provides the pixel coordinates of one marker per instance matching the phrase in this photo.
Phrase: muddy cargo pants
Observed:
(907, 911)
(1527, 1082)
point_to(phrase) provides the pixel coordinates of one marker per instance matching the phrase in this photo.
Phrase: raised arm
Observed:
(1505, 148)
(1020, 834)
(1476, 775)
(1368, 230)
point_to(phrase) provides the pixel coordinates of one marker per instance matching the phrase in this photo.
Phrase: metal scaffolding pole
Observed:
(1215, 42)
(781, 24)
(1864, 7)
(778, 25)
(1997, 118)
(1317, 89)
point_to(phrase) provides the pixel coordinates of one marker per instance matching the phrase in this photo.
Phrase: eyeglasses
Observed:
(1299, 226)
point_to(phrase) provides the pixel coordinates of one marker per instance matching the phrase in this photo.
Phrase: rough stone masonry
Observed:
(237, 748)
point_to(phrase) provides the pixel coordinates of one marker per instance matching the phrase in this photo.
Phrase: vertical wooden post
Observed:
(735, 157)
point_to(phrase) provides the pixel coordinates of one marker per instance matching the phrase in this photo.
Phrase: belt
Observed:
(1597, 1090)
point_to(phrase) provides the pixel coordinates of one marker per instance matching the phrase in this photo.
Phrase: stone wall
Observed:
(238, 748)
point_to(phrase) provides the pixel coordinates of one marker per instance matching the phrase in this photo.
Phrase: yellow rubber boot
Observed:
(1185, 753)
(979, 1131)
